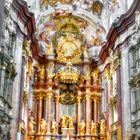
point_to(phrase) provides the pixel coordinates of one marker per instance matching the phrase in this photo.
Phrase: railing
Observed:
(61, 137)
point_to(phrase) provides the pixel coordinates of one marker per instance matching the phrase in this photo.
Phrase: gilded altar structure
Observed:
(67, 90)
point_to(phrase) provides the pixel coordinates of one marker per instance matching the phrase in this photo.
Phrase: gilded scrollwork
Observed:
(69, 48)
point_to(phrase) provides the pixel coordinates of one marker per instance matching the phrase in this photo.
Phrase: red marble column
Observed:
(57, 109)
(78, 112)
(39, 114)
(95, 109)
(49, 97)
(45, 109)
(88, 114)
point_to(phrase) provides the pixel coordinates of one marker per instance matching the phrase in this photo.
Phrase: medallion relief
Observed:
(69, 48)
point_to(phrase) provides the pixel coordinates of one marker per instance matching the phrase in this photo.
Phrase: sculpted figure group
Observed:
(66, 122)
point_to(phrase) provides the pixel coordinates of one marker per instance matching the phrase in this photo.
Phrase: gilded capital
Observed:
(79, 99)
(49, 95)
(88, 97)
(56, 98)
(96, 99)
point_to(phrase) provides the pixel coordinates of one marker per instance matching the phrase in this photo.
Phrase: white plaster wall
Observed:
(125, 95)
(16, 89)
(129, 3)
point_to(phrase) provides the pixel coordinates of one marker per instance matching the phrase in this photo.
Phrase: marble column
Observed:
(88, 114)
(57, 109)
(78, 112)
(45, 108)
(95, 99)
(39, 113)
(95, 109)
(49, 98)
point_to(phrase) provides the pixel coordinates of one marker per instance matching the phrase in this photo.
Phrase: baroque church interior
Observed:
(69, 69)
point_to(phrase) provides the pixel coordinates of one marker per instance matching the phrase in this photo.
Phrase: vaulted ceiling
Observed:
(94, 20)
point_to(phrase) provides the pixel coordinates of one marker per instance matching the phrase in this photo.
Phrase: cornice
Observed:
(27, 18)
(117, 28)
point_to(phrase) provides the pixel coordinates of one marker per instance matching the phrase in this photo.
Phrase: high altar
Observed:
(66, 89)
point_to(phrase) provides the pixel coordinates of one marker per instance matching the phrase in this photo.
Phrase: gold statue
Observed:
(41, 72)
(63, 122)
(54, 127)
(93, 128)
(30, 68)
(43, 126)
(95, 75)
(66, 121)
(81, 127)
(69, 121)
(50, 49)
(31, 125)
(102, 126)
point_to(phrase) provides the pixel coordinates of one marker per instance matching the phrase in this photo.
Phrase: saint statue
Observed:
(71, 123)
(81, 127)
(31, 125)
(102, 127)
(95, 75)
(41, 72)
(93, 128)
(54, 127)
(43, 126)
(63, 122)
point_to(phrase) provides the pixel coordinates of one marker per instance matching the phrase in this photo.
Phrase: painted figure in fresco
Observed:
(43, 126)
(31, 125)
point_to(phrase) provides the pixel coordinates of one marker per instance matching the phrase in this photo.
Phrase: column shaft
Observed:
(39, 114)
(78, 112)
(95, 111)
(45, 109)
(57, 110)
(49, 114)
(88, 115)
